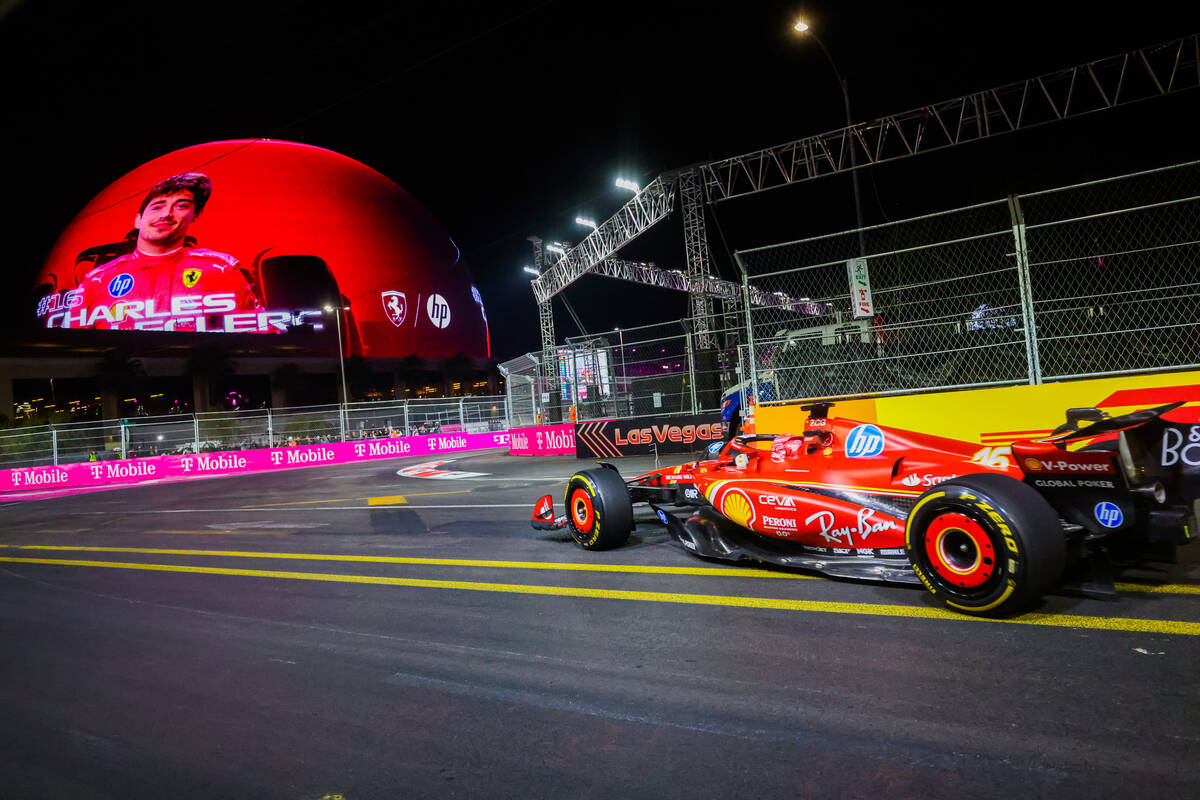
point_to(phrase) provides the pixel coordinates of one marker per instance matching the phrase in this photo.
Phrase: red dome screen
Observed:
(265, 237)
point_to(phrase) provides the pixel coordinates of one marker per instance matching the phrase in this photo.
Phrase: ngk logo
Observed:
(438, 310)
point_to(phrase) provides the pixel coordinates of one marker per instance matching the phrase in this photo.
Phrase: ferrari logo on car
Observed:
(191, 277)
(395, 305)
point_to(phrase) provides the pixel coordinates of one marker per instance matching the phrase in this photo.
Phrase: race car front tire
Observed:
(599, 511)
(986, 545)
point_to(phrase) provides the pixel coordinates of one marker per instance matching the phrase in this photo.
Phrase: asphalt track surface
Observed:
(345, 631)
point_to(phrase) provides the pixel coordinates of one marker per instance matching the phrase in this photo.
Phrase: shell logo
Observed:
(737, 506)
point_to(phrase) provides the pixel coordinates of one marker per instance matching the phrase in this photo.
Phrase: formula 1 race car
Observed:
(987, 530)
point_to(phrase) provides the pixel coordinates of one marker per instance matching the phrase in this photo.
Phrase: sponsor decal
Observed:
(224, 462)
(779, 522)
(994, 457)
(864, 526)
(778, 501)
(924, 480)
(864, 441)
(1033, 465)
(662, 515)
(685, 434)
(550, 440)
(860, 288)
(431, 470)
(1108, 514)
(1180, 449)
(51, 477)
(438, 310)
(191, 277)
(714, 449)
(737, 506)
(691, 494)
(120, 285)
(395, 305)
(647, 435)
(1078, 483)
(1073, 466)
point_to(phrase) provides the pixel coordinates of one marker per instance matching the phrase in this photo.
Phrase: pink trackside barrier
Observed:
(35, 481)
(546, 440)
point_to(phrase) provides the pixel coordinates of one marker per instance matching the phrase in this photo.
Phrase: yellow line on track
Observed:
(371, 501)
(817, 606)
(733, 572)
(304, 502)
(1164, 588)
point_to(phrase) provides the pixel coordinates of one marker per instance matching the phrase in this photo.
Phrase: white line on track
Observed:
(306, 509)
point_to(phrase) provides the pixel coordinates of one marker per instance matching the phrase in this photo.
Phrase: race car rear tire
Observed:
(986, 545)
(599, 511)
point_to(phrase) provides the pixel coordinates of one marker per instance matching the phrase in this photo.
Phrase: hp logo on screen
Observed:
(1108, 514)
(120, 285)
(438, 310)
(864, 441)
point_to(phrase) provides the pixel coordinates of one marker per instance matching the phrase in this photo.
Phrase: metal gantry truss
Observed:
(1141, 74)
(1098, 85)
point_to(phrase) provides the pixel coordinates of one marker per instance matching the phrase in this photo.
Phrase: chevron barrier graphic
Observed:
(615, 438)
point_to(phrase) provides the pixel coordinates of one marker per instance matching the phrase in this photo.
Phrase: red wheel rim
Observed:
(582, 512)
(959, 550)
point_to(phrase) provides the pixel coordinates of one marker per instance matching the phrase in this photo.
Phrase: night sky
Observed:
(510, 119)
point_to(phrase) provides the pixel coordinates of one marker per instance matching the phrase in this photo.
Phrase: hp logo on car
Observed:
(1108, 514)
(120, 285)
(864, 441)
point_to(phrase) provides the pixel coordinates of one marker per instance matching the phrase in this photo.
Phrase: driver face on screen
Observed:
(163, 225)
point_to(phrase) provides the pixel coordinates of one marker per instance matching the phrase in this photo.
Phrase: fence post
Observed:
(196, 433)
(270, 430)
(406, 428)
(1032, 363)
(691, 364)
(54, 443)
(749, 326)
(462, 418)
(124, 440)
(342, 421)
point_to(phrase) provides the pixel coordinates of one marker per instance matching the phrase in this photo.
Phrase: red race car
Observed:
(987, 530)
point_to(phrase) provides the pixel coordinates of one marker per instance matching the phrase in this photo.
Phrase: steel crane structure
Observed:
(1167, 68)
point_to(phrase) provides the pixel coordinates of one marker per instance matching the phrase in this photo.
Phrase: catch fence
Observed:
(1090, 280)
(653, 370)
(246, 430)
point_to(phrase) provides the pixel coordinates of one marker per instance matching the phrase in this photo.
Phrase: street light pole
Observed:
(802, 28)
(337, 318)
